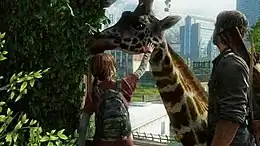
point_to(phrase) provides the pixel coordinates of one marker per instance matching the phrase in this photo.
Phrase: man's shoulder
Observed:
(232, 60)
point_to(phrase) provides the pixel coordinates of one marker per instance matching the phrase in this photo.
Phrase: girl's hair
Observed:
(102, 67)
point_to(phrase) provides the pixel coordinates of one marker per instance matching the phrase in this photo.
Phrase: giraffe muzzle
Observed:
(99, 45)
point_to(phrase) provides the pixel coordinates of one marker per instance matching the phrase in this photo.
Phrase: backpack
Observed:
(112, 118)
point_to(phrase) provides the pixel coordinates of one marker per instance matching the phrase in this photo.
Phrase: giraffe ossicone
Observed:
(182, 94)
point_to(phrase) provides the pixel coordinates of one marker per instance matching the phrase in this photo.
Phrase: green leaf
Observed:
(13, 78)
(24, 118)
(8, 120)
(46, 70)
(12, 95)
(33, 122)
(15, 137)
(40, 130)
(2, 58)
(62, 136)
(18, 125)
(50, 144)
(20, 74)
(37, 75)
(18, 98)
(58, 143)
(26, 121)
(4, 52)
(24, 91)
(61, 131)
(44, 139)
(39, 71)
(28, 78)
(2, 118)
(8, 137)
(19, 80)
(53, 131)
(9, 112)
(2, 35)
(2, 103)
(12, 87)
(32, 82)
(24, 85)
(53, 138)
(2, 128)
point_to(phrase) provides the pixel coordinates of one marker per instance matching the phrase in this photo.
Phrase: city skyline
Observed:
(206, 8)
(250, 9)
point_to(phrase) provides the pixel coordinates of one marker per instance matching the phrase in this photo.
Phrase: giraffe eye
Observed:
(139, 26)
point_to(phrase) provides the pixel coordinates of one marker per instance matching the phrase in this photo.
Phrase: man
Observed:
(229, 86)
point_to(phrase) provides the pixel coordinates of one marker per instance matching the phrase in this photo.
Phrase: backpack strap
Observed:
(119, 84)
(119, 89)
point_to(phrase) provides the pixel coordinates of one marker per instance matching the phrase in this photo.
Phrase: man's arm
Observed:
(232, 100)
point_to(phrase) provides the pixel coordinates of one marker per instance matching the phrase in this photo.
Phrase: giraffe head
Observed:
(134, 30)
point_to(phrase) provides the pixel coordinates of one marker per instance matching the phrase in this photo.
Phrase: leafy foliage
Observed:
(49, 33)
(12, 132)
(255, 32)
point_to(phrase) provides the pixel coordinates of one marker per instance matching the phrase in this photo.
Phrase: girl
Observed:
(103, 69)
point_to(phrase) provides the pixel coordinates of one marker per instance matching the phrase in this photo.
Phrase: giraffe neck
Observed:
(186, 107)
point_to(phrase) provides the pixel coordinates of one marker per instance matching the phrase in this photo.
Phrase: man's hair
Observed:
(229, 19)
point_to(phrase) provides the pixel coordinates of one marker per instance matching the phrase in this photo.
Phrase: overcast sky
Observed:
(207, 8)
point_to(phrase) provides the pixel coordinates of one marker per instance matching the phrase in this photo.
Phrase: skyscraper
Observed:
(251, 8)
(195, 36)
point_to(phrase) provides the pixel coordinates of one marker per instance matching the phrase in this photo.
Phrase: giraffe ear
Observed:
(168, 22)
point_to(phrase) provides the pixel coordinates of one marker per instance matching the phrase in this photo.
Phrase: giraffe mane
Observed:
(188, 80)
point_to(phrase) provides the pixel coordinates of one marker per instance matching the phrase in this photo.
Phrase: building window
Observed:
(162, 127)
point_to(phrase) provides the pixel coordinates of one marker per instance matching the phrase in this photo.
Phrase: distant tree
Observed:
(255, 32)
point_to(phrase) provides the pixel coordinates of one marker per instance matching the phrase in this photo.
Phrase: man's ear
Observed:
(168, 22)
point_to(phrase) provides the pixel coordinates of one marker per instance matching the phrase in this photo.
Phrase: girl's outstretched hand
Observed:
(149, 48)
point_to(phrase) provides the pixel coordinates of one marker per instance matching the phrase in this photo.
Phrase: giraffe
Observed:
(182, 94)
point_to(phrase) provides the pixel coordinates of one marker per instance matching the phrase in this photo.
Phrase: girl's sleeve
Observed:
(143, 65)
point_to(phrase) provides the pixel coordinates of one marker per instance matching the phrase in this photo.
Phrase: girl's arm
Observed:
(144, 63)
(83, 128)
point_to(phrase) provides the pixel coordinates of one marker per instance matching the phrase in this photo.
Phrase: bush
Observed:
(13, 132)
(255, 32)
(50, 33)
